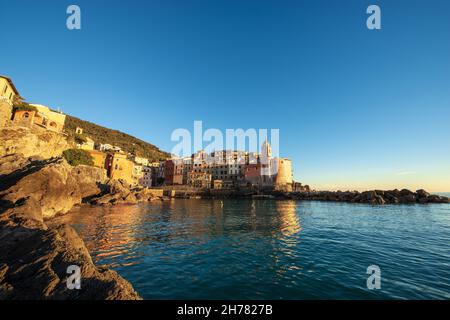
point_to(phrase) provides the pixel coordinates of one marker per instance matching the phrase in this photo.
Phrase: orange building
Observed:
(173, 172)
(99, 158)
(39, 115)
(24, 118)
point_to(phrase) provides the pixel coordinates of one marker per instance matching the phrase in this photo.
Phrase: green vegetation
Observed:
(77, 157)
(104, 135)
(23, 106)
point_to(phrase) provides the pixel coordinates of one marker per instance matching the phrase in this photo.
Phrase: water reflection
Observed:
(111, 232)
(289, 220)
(108, 232)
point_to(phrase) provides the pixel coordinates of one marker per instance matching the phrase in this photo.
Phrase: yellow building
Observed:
(50, 119)
(88, 145)
(284, 178)
(138, 174)
(119, 167)
(99, 158)
(141, 161)
(8, 94)
(36, 114)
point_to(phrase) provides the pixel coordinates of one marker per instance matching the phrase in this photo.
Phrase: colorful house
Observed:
(173, 172)
(141, 161)
(138, 174)
(8, 94)
(119, 167)
(8, 91)
(88, 145)
(99, 158)
(200, 180)
(36, 114)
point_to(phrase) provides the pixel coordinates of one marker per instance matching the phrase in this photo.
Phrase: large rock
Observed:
(33, 256)
(34, 262)
(422, 194)
(118, 192)
(46, 188)
(34, 142)
(409, 198)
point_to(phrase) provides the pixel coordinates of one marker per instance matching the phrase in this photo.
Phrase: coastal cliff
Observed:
(29, 142)
(36, 185)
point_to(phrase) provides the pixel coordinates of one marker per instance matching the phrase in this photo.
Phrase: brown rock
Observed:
(422, 194)
(406, 192)
(410, 198)
(34, 267)
(33, 256)
(49, 188)
(31, 142)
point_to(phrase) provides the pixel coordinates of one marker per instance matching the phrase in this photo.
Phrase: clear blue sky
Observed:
(355, 108)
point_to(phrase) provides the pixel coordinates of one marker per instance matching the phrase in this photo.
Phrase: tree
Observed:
(76, 157)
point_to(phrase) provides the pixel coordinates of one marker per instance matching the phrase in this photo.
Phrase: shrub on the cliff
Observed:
(77, 157)
(23, 106)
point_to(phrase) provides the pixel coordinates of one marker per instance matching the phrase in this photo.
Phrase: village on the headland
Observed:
(221, 173)
(219, 170)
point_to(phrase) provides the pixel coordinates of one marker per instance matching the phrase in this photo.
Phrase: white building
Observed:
(141, 161)
(147, 175)
(106, 147)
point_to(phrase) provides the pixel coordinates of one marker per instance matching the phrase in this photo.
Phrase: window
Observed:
(6, 88)
(26, 115)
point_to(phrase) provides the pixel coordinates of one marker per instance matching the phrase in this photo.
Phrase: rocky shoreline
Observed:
(375, 197)
(36, 185)
(34, 255)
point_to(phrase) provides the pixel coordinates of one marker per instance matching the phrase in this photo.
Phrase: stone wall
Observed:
(5, 114)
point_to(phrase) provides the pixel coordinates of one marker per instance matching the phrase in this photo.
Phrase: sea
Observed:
(272, 249)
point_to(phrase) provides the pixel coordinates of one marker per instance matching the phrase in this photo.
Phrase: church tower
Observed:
(266, 150)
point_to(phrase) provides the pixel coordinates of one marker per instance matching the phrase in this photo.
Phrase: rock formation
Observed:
(33, 256)
(36, 185)
(117, 192)
(34, 262)
(29, 142)
(403, 196)
(49, 187)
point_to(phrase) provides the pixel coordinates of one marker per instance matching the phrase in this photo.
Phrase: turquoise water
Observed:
(265, 249)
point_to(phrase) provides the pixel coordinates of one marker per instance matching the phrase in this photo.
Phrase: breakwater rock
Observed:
(403, 196)
(118, 192)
